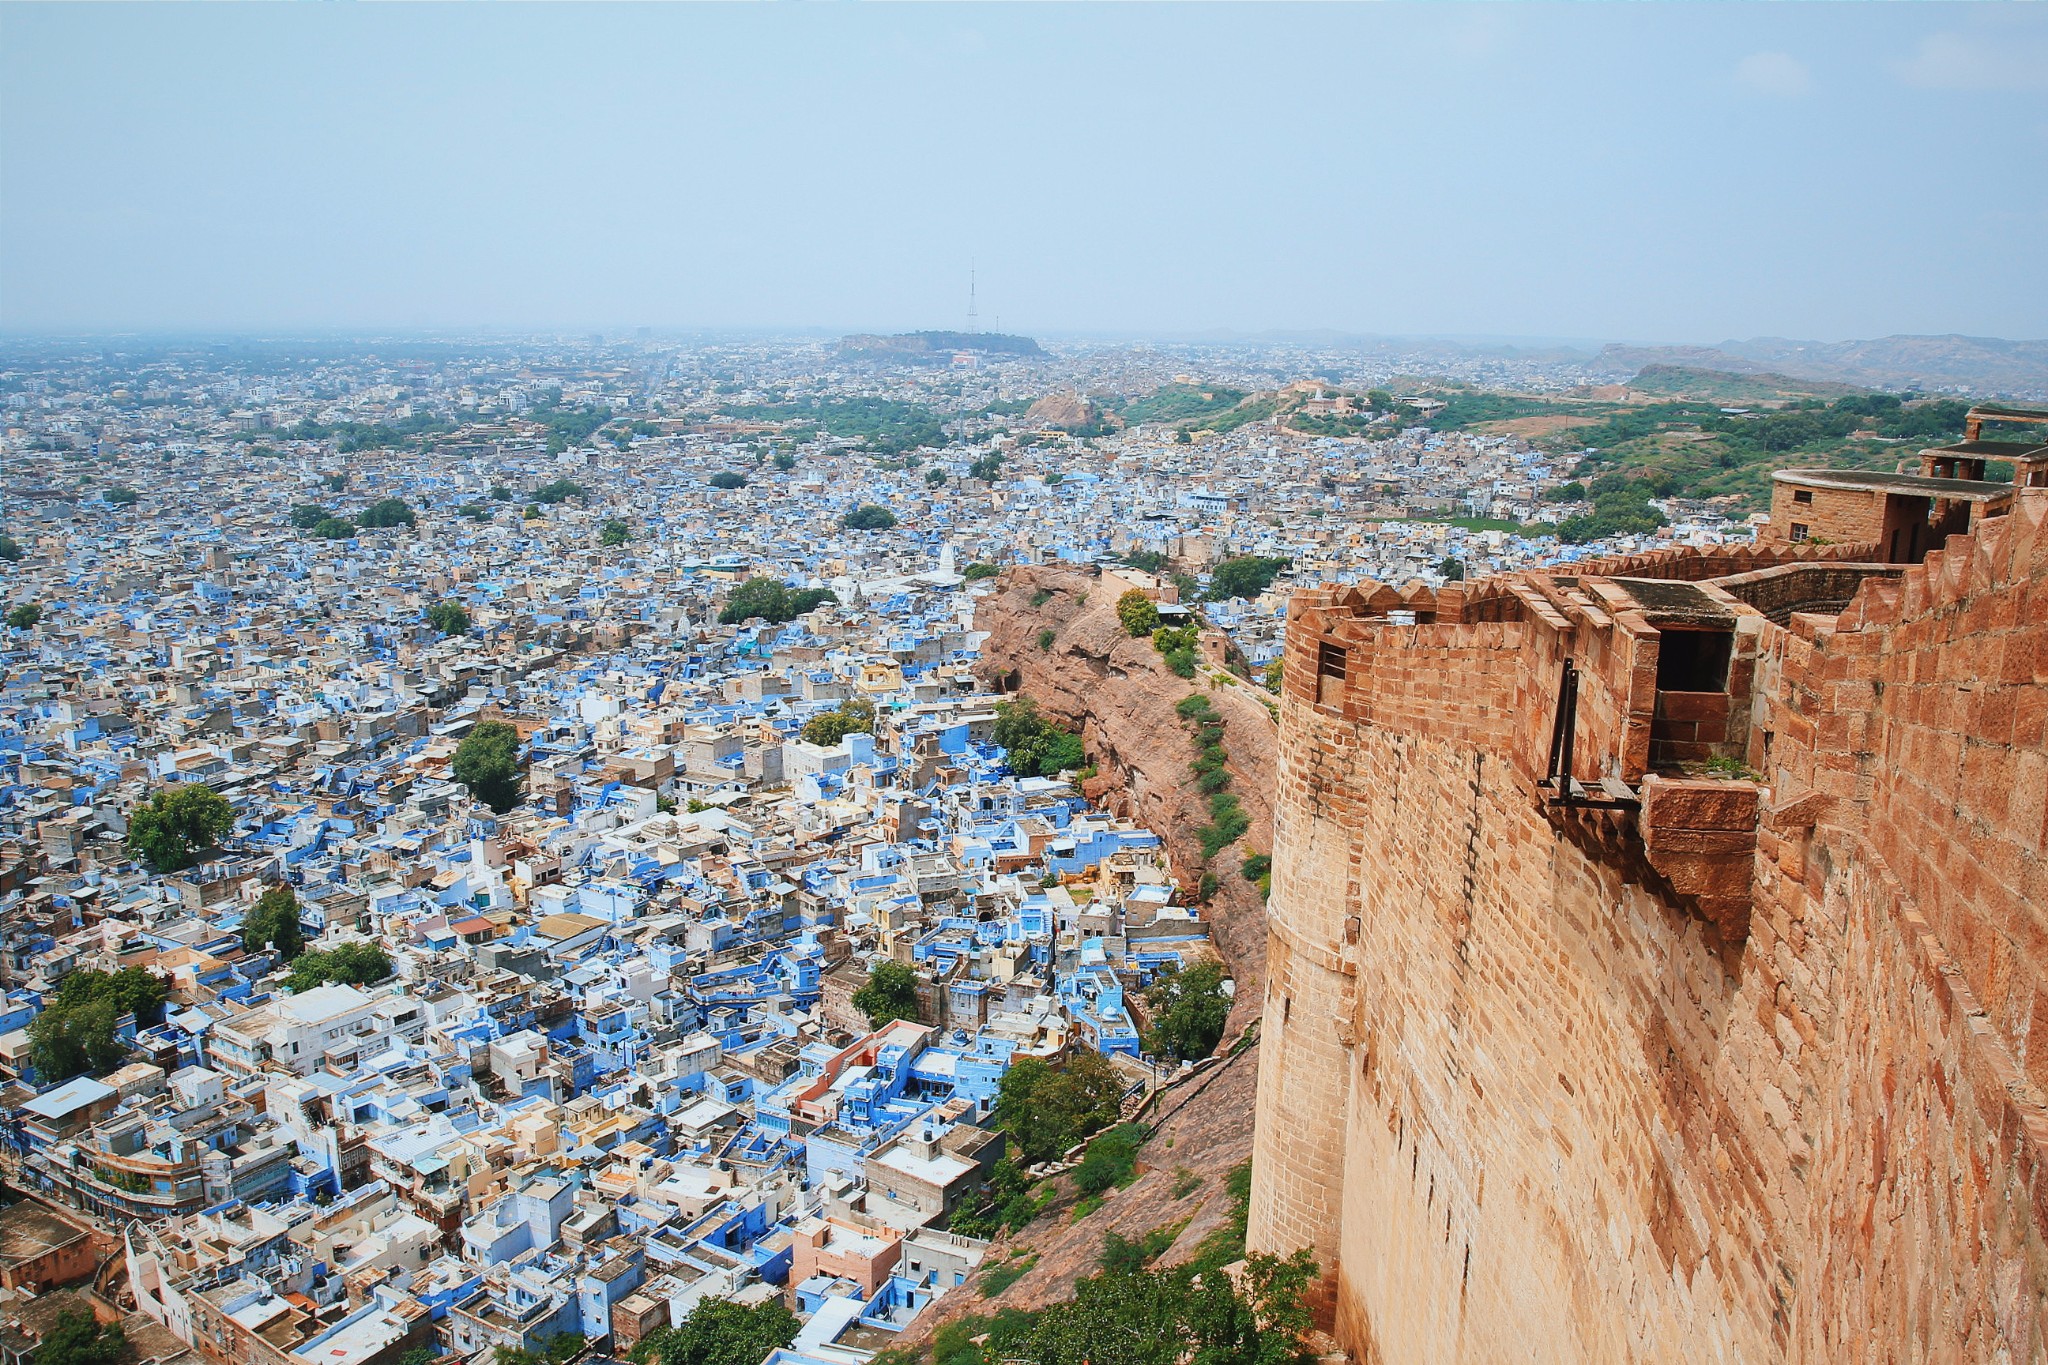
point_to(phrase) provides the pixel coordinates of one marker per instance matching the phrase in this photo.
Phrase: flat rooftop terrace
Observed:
(1919, 485)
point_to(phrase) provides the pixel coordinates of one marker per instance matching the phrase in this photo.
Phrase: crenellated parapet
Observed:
(1654, 970)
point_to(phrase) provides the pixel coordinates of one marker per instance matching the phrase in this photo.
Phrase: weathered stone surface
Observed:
(1529, 1102)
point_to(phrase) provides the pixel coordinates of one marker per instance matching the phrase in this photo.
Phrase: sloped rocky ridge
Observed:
(1119, 696)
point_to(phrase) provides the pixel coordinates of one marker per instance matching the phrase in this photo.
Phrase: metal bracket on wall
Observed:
(1611, 793)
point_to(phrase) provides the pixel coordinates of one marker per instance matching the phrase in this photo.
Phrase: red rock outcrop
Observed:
(1119, 695)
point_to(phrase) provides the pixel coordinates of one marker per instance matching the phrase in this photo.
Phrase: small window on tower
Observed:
(1802, 495)
(1800, 531)
(1329, 673)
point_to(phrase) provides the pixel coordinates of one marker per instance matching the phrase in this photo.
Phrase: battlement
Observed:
(1653, 971)
(1591, 682)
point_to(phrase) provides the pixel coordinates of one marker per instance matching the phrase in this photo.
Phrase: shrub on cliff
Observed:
(1137, 612)
(1032, 745)
(1227, 824)
(1141, 1316)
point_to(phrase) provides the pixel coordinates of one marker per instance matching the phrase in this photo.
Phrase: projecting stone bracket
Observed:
(1700, 836)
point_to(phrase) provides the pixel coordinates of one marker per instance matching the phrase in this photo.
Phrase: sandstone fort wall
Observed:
(1533, 1092)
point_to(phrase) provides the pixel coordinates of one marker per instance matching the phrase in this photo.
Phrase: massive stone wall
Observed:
(1528, 1103)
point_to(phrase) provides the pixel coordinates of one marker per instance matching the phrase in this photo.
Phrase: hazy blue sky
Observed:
(1654, 172)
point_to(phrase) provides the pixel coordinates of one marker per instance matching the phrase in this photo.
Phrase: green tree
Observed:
(785, 460)
(558, 1349)
(934, 476)
(10, 549)
(615, 534)
(307, 515)
(335, 528)
(77, 1029)
(1189, 1010)
(335, 482)
(1139, 614)
(855, 715)
(1148, 561)
(487, 762)
(177, 824)
(889, 995)
(387, 512)
(450, 618)
(350, 964)
(987, 468)
(1046, 1110)
(123, 497)
(500, 493)
(868, 517)
(726, 478)
(1245, 576)
(1452, 569)
(974, 573)
(1032, 745)
(25, 616)
(561, 490)
(721, 1332)
(274, 923)
(771, 601)
(78, 1338)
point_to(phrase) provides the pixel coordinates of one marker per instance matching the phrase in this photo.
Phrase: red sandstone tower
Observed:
(1656, 947)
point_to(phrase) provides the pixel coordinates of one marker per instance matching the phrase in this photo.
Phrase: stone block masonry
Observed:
(1649, 1063)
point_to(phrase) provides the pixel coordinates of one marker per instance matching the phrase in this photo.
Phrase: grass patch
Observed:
(1185, 1182)
(1226, 1244)
(1007, 1274)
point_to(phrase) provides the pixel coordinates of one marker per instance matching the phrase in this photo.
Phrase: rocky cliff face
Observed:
(1120, 696)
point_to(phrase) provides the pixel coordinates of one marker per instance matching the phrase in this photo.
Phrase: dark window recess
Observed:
(1329, 674)
(1803, 495)
(1694, 660)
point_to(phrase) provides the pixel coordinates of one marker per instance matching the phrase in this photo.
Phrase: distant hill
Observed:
(1983, 365)
(916, 346)
(1069, 411)
(1723, 386)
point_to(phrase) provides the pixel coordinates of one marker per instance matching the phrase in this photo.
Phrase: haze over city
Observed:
(1651, 173)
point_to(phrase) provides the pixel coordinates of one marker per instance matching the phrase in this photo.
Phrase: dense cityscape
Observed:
(515, 849)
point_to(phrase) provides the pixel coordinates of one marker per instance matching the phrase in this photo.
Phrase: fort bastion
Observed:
(1656, 943)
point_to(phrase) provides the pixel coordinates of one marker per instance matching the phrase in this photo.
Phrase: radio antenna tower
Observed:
(973, 323)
